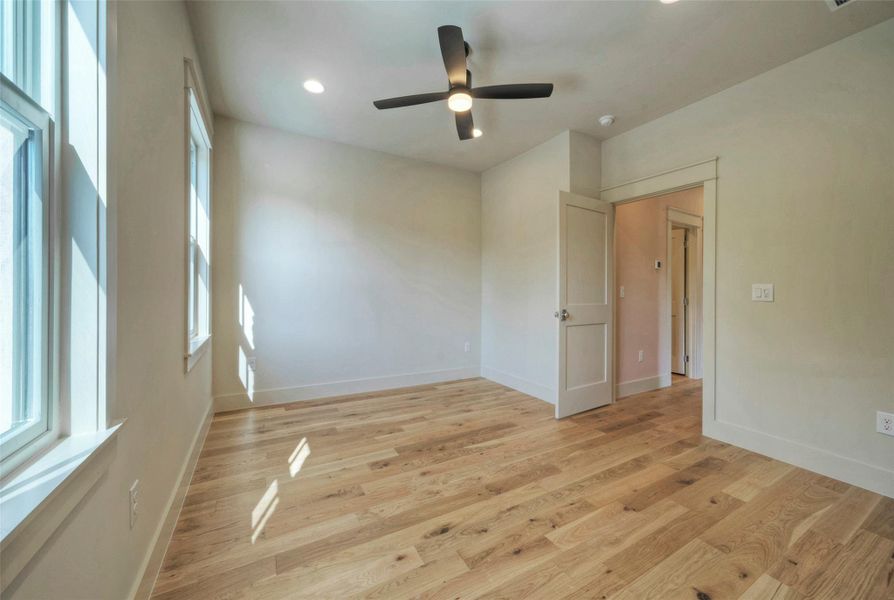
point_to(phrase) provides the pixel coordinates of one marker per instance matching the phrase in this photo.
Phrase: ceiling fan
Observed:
(459, 96)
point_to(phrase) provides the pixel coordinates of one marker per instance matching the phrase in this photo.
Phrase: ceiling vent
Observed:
(836, 4)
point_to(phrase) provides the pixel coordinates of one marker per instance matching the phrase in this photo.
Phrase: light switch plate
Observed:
(762, 292)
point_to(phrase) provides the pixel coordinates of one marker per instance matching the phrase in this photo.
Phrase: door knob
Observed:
(561, 315)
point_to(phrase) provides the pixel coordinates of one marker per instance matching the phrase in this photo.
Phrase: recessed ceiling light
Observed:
(477, 132)
(459, 102)
(668, 1)
(313, 86)
(606, 120)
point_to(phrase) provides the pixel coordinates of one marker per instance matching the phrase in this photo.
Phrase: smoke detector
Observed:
(606, 120)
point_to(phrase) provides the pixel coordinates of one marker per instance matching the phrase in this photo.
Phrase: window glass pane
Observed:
(192, 287)
(22, 282)
(193, 185)
(199, 224)
(193, 192)
(28, 46)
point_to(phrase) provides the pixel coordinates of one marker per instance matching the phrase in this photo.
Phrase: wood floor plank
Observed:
(840, 579)
(471, 490)
(881, 521)
(843, 518)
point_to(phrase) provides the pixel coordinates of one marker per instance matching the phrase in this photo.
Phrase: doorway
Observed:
(684, 273)
(677, 267)
(658, 284)
(700, 325)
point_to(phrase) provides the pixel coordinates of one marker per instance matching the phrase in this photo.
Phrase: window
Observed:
(198, 316)
(54, 319)
(26, 88)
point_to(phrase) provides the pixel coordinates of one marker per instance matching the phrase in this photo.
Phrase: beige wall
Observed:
(95, 554)
(361, 269)
(640, 240)
(519, 258)
(805, 200)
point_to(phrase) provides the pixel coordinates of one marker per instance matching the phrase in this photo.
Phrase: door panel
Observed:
(586, 351)
(585, 240)
(586, 377)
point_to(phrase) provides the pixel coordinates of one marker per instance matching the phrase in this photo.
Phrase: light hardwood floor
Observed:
(472, 490)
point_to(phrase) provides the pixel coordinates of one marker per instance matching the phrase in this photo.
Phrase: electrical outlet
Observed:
(252, 363)
(468, 347)
(884, 423)
(134, 496)
(641, 356)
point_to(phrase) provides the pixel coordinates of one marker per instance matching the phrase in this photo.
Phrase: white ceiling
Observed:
(634, 59)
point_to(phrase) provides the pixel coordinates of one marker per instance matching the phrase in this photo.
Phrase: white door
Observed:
(678, 303)
(586, 374)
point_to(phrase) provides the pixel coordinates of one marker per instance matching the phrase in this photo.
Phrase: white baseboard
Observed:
(518, 383)
(646, 384)
(164, 531)
(848, 470)
(226, 402)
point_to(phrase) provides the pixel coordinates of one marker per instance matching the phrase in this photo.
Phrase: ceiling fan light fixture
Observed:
(313, 86)
(459, 102)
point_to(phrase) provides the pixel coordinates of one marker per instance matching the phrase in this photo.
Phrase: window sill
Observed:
(197, 349)
(38, 499)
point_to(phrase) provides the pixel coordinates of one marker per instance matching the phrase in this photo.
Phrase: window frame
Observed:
(198, 146)
(19, 446)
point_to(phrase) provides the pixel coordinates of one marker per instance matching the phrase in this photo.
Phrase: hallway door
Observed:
(586, 373)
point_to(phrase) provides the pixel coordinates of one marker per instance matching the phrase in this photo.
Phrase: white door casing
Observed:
(586, 370)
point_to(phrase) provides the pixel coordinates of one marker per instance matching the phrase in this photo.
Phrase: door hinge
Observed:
(686, 358)
(685, 301)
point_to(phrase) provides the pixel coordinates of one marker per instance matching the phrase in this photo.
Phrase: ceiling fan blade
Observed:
(464, 125)
(514, 91)
(453, 50)
(410, 100)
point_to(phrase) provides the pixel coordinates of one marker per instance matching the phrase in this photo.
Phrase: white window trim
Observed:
(197, 341)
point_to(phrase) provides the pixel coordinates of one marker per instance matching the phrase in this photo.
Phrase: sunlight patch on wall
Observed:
(246, 375)
(246, 318)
